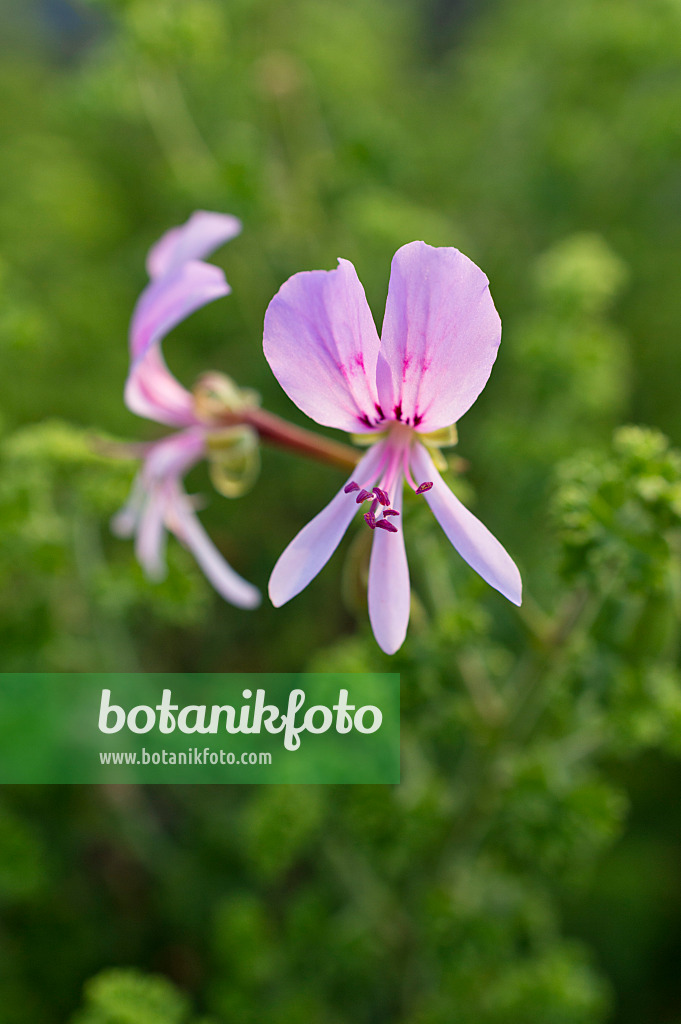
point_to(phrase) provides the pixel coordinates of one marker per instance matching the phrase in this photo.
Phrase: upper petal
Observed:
(389, 593)
(170, 299)
(310, 550)
(321, 343)
(472, 540)
(440, 336)
(151, 390)
(200, 236)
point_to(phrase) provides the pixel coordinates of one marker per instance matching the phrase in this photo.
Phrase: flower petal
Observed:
(173, 456)
(389, 593)
(310, 550)
(169, 300)
(152, 391)
(440, 336)
(472, 540)
(182, 520)
(200, 236)
(321, 343)
(151, 535)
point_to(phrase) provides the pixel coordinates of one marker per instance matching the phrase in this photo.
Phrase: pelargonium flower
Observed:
(439, 341)
(180, 284)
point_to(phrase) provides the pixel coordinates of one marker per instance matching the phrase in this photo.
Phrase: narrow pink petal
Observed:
(182, 520)
(151, 535)
(472, 540)
(440, 336)
(321, 343)
(200, 236)
(169, 300)
(310, 550)
(389, 593)
(152, 391)
(147, 511)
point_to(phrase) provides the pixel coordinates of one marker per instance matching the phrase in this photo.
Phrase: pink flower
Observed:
(439, 341)
(180, 284)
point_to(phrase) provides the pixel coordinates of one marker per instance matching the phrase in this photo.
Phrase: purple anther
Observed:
(391, 512)
(370, 520)
(424, 487)
(352, 486)
(362, 496)
(382, 496)
(383, 524)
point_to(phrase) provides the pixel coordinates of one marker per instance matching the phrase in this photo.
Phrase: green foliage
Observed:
(128, 997)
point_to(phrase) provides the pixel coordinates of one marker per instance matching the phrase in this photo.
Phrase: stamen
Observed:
(382, 496)
(391, 512)
(425, 486)
(362, 496)
(370, 520)
(352, 486)
(383, 524)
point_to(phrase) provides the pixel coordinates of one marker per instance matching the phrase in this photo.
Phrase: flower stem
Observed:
(277, 431)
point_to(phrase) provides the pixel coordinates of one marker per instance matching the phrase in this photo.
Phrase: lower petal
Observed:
(151, 536)
(310, 550)
(187, 528)
(389, 593)
(472, 540)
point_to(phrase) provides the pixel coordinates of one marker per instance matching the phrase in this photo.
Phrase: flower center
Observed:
(394, 462)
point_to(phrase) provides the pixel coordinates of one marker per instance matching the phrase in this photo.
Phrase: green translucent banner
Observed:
(199, 728)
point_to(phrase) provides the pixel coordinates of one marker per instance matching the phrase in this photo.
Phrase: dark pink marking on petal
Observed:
(397, 412)
(379, 410)
(383, 524)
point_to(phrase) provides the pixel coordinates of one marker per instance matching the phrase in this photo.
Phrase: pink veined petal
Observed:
(389, 593)
(321, 343)
(310, 550)
(182, 520)
(472, 540)
(151, 535)
(200, 236)
(152, 391)
(169, 300)
(440, 336)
